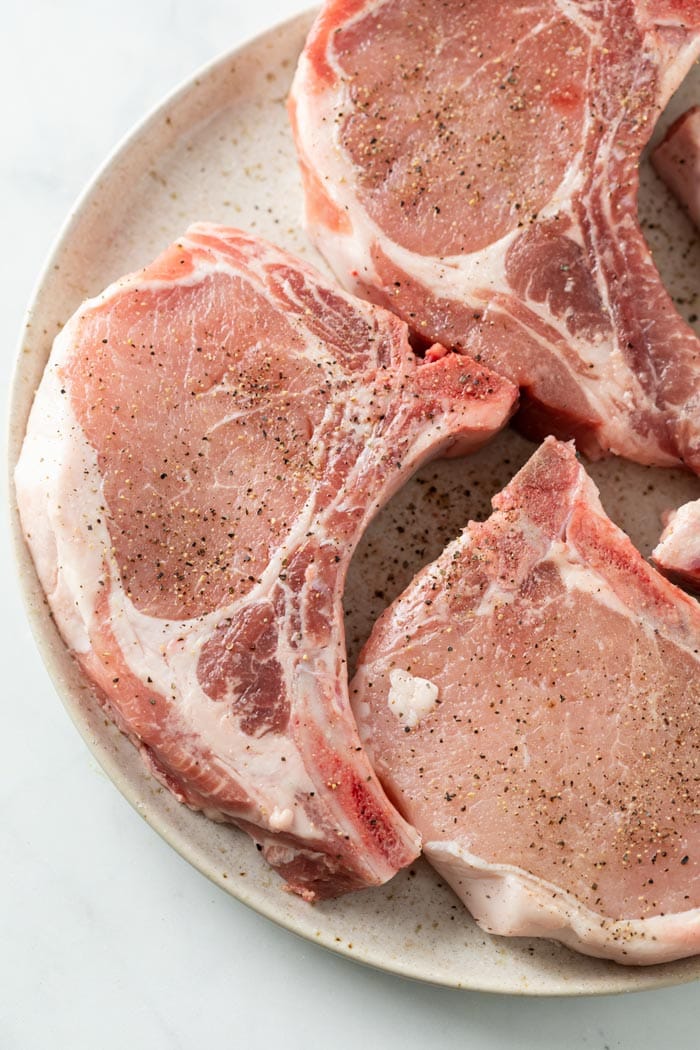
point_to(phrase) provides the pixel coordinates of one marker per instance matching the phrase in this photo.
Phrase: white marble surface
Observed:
(107, 938)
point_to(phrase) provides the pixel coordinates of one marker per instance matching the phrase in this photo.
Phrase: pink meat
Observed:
(677, 161)
(474, 168)
(530, 703)
(677, 553)
(209, 441)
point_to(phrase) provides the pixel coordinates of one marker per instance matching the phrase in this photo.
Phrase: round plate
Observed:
(220, 149)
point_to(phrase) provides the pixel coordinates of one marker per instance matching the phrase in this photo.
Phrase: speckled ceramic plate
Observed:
(220, 149)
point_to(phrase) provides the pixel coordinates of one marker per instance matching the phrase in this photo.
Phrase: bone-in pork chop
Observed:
(531, 705)
(473, 166)
(210, 438)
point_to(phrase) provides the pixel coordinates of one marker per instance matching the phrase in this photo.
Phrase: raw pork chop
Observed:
(473, 166)
(531, 704)
(678, 551)
(677, 161)
(210, 439)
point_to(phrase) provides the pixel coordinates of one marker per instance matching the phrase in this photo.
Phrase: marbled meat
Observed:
(211, 436)
(530, 703)
(474, 167)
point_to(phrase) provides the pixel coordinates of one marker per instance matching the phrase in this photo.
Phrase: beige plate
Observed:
(220, 149)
